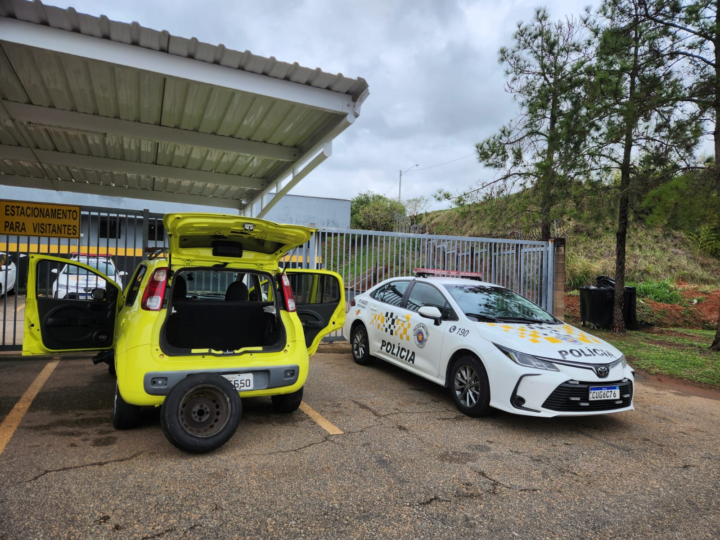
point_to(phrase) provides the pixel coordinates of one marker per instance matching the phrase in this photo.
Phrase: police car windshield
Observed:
(496, 304)
(104, 267)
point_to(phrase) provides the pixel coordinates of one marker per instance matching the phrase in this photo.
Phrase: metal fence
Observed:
(365, 258)
(125, 236)
(362, 258)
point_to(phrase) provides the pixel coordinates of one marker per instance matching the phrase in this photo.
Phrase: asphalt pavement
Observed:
(407, 465)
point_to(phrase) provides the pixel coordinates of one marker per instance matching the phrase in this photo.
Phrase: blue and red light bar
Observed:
(427, 272)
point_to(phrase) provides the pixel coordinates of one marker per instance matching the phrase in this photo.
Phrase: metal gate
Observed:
(362, 258)
(365, 258)
(124, 235)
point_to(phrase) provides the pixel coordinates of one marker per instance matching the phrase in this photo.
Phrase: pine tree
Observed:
(694, 28)
(643, 127)
(541, 150)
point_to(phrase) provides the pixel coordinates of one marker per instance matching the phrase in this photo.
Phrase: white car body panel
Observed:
(83, 284)
(393, 337)
(8, 276)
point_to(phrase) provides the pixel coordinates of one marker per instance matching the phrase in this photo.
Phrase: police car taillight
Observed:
(155, 290)
(288, 293)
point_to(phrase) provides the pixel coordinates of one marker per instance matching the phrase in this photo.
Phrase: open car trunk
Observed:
(221, 311)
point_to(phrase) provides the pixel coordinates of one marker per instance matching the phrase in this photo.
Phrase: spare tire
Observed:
(201, 413)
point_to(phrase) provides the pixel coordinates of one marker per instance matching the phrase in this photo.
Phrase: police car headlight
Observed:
(527, 360)
(623, 361)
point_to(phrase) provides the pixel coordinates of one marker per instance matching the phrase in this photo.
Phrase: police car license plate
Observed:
(599, 393)
(241, 381)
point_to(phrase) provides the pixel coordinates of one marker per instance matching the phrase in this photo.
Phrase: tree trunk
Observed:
(618, 324)
(545, 229)
(716, 133)
(716, 103)
(716, 342)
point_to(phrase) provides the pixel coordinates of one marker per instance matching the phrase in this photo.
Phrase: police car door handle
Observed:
(374, 308)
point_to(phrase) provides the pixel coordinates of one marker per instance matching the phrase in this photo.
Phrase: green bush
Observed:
(659, 291)
(373, 212)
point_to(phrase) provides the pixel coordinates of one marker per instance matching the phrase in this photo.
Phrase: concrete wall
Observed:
(312, 211)
(100, 201)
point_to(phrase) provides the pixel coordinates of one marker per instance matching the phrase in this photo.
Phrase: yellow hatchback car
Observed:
(212, 320)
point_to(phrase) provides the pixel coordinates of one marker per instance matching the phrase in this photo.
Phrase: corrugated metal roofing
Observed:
(46, 78)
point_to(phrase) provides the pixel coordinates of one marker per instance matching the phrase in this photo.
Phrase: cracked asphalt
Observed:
(408, 465)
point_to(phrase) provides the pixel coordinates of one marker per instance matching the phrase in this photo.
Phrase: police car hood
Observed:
(553, 341)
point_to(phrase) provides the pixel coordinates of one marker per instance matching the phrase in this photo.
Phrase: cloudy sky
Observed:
(436, 87)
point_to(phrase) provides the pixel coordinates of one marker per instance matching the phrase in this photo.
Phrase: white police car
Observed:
(490, 346)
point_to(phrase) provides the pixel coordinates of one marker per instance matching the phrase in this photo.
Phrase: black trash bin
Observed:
(596, 303)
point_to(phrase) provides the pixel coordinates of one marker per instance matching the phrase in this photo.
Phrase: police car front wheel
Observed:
(360, 346)
(470, 387)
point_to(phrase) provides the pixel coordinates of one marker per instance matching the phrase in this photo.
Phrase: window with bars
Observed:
(109, 228)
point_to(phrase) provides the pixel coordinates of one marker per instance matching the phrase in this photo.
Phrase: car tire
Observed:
(470, 387)
(361, 346)
(201, 413)
(125, 416)
(287, 403)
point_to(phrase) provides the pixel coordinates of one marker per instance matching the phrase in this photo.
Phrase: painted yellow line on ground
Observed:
(12, 420)
(318, 418)
(20, 308)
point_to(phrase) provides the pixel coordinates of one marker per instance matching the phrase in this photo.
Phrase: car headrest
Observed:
(179, 290)
(237, 292)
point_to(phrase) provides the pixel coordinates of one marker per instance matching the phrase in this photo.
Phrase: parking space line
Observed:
(13, 419)
(318, 418)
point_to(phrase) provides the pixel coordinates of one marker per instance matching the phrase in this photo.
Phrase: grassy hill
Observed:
(653, 253)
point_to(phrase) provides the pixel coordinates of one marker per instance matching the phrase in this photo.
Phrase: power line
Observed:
(430, 167)
(393, 185)
(446, 163)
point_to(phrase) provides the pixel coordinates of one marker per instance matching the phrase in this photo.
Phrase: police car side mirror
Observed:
(431, 312)
(54, 270)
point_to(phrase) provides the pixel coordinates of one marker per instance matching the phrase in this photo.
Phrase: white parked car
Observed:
(8, 274)
(491, 347)
(73, 282)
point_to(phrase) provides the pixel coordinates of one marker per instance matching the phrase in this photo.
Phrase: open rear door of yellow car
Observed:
(320, 303)
(69, 307)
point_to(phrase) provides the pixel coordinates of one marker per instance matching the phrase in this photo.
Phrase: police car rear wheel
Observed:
(360, 346)
(470, 387)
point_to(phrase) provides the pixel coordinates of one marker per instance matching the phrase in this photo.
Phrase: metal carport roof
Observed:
(103, 107)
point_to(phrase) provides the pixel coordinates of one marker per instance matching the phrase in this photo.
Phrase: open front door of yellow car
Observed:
(69, 307)
(320, 303)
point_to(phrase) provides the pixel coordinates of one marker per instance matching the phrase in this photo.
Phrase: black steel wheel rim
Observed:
(359, 343)
(204, 411)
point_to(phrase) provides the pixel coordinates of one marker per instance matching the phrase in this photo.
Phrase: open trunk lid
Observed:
(234, 240)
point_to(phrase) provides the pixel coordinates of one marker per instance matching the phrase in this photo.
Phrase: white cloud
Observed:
(436, 87)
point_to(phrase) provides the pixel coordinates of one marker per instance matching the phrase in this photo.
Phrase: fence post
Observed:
(313, 251)
(558, 290)
(145, 232)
